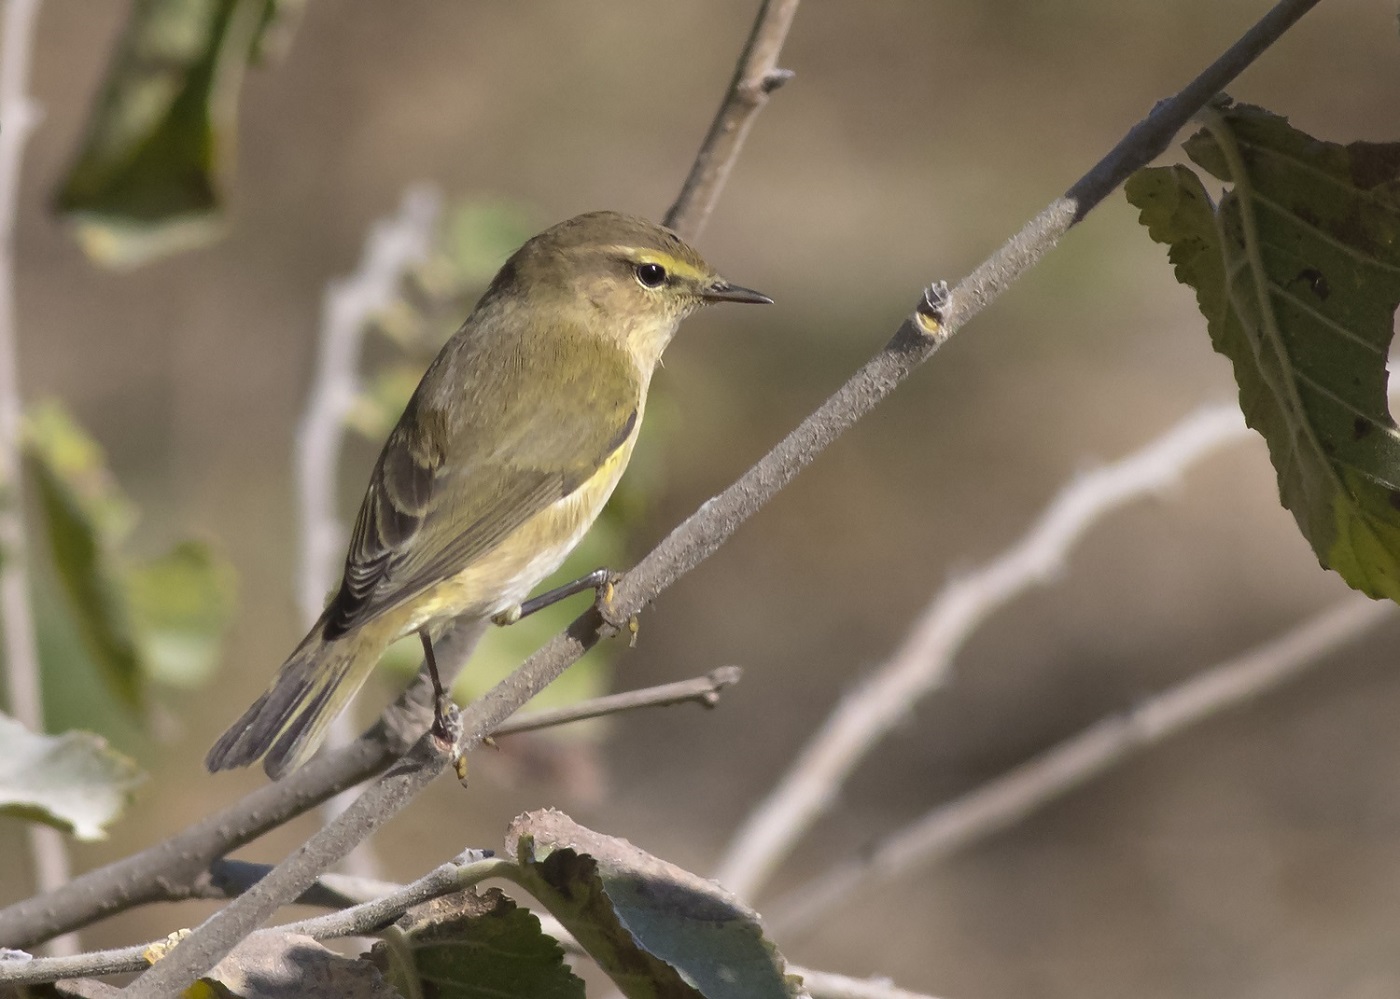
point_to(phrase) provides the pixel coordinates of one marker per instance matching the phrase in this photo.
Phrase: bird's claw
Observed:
(604, 602)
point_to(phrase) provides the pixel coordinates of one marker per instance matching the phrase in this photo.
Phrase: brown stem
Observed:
(704, 690)
(755, 78)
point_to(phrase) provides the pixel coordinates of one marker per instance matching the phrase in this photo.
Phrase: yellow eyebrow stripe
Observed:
(674, 265)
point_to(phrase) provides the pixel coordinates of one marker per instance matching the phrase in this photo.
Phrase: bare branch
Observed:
(19, 114)
(50, 969)
(471, 868)
(364, 919)
(1009, 798)
(703, 690)
(170, 869)
(922, 662)
(755, 78)
(710, 526)
(394, 244)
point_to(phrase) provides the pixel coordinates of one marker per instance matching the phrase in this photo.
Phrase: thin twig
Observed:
(703, 690)
(394, 244)
(348, 890)
(470, 869)
(755, 78)
(170, 869)
(922, 662)
(374, 915)
(1009, 798)
(709, 527)
(360, 920)
(19, 114)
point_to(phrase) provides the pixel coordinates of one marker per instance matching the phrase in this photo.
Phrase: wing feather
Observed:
(447, 490)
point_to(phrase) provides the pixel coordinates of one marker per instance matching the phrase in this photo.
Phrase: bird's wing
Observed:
(446, 490)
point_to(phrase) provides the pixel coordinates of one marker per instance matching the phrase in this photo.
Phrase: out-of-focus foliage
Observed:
(655, 928)
(180, 603)
(471, 946)
(151, 177)
(71, 781)
(140, 620)
(1297, 271)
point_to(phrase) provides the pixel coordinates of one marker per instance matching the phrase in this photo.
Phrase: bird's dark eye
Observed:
(651, 275)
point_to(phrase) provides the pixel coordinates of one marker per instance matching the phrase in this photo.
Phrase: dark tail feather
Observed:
(287, 723)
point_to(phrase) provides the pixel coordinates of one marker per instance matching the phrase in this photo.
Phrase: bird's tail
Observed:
(287, 723)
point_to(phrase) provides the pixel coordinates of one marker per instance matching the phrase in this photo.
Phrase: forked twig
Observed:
(1006, 799)
(923, 660)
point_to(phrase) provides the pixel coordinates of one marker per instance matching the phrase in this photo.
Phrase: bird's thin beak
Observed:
(723, 291)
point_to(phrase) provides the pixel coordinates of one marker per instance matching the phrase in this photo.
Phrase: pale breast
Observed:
(506, 575)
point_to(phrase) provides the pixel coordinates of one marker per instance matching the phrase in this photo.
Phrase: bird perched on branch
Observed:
(504, 457)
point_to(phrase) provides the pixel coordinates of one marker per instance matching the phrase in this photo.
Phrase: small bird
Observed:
(505, 455)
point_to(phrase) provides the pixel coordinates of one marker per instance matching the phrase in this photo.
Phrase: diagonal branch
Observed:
(755, 78)
(173, 867)
(710, 526)
(1057, 771)
(922, 662)
(366, 918)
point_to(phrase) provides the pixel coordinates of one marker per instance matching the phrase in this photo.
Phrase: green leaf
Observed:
(290, 966)
(72, 781)
(476, 239)
(160, 619)
(467, 946)
(87, 518)
(181, 603)
(654, 928)
(159, 144)
(1297, 271)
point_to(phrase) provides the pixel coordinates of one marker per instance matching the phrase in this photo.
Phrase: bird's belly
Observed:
(505, 576)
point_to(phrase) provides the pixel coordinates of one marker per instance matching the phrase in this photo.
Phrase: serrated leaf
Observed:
(290, 966)
(159, 143)
(159, 619)
(1297, 271)
(71, 781)
(657, 930)
(469, 946)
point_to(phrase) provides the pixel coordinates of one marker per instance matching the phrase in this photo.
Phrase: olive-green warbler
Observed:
(505, 455)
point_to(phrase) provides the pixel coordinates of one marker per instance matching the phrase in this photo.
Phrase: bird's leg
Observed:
(440, 727)
(599, 580)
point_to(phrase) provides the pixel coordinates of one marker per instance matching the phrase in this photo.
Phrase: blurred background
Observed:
(1255, 856)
